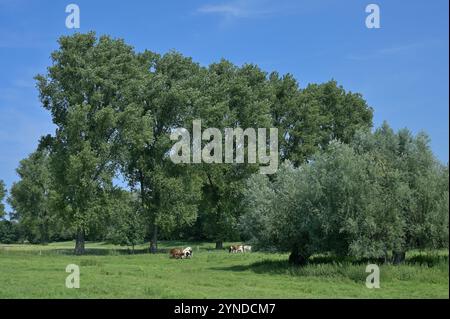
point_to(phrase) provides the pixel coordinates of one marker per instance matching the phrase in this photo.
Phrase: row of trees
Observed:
(377, 197)
(115, 109)
(2, 196)
(8, 230)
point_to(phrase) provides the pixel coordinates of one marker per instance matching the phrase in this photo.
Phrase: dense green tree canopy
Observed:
(84, 91)
(31, 197)
(127, 225)
(342, 189)
(378, 197)
(158, 103)
(2, 196)
(308, 119)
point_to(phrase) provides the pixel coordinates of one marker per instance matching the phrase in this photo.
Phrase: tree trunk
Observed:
(297, 259)
(398, 257)
(386, 258)
(154, 241)
(44, 234)
(79, 244)
(219, 244)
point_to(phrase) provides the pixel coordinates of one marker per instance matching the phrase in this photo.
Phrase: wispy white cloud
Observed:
(245, 9)
(236, 9)
(227, 10)
(389, 51)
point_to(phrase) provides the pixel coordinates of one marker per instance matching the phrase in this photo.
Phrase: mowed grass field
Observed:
(108, 271)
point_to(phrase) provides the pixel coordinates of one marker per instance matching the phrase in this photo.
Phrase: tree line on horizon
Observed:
(342, 188)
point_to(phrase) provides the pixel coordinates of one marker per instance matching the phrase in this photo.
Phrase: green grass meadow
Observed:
(108, 271)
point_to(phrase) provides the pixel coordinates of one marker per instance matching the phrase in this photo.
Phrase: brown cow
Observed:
(176, 253)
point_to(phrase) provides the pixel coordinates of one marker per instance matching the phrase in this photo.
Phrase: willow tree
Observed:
(421, 179)
(376, 198)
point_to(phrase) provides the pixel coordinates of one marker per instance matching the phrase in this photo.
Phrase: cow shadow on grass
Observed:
(197, 246)
(282, 266)
(105, 251)
(328, 266)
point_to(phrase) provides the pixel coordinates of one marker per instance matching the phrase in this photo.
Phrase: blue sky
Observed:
(401, 69)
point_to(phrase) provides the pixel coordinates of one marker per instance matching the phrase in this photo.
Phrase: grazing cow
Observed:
(236, 249)
(187, 252)
(240, 248)
(176, 253)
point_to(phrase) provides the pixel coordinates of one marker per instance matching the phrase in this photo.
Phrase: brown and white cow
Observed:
(187, 252)
(180, 253)
(240, 248)
(236, 249)
(176, 253)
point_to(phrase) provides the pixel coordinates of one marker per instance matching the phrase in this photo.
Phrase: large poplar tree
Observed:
(159, 102)
(84, 91)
